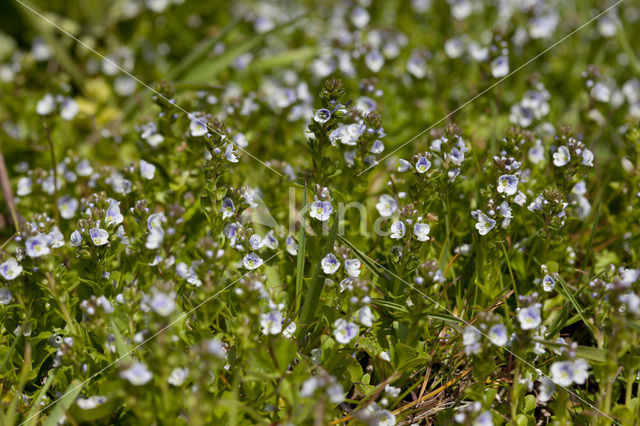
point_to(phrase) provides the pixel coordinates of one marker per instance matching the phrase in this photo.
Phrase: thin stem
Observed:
(8, 193)
(54, 170)
(513, 280)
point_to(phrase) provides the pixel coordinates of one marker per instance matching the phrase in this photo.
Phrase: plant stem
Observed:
(8, 193)
(54, 171)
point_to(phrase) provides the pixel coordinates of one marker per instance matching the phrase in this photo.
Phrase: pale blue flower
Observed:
(10, 269)
(321, 210)
(67, 206)
(163, 304)
(508, 184)
(198, 127)
(529, 317)
(548, 283)
(421, 231)
(37, 246)
(291, 245)
(352, 266)
(386, 205)
(500, 66)
(397, 229)
(252, 261)
(76, 238)
(178, 376)
(227, 209)
(498, 335)
(99, 236)
(404, 165)
(562, 156)
(587, 158)
(471, 339)
(330, 264)
(270, 240)
(562, 373)
(374, 61)
(113, 215)
(423, 164)
(456, 156)
(230, 154)
(344, 331)
(255, 241)
(271, 322)
(137, 374)
(147, 170)
(322, 115)
(484, 224)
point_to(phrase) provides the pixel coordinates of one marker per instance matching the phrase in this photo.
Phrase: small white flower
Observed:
(137, 374)
(67, 207)
(561, 156)
(25, 186)
(154, 239)
(471, 339)
(252, 261)
(529, 317)
(587, 158)
(386, 205)
(147, 170)
(397, 229)
(76, 238)
(227, 209)
(322, 116)
(230, 154)
(198, 127)
(546, 389)
(500, 66)
(562, 373)
(178, 376)
(10, 269)
(404, 165)
(485, 224)
(113, 215)
(162, 304)
(508, 184)
(548, 283)
(421, 231)
(498, 335)
(330, 264)
(37, 246)
(352, 266)
(423, 164)
(271, 322)
(580, 371)
(69, 109)
(365, 316)
(99, 236)
(321, 210)
(46, 105)
(291, 245)
(344, 331)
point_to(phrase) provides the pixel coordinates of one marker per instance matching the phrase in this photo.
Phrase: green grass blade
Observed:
(576, 305)
(199, 52)
(315, 287)
(64, 403)
(207, 70)
(302, 241)
(35, 405)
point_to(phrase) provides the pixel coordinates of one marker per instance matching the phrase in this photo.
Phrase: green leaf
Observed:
(64, 403)
(207, 70)
(199, 52)
(302, 241)
(315, 287)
